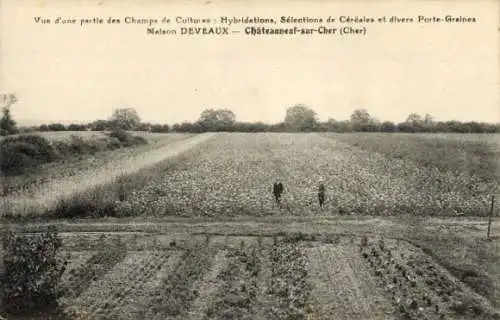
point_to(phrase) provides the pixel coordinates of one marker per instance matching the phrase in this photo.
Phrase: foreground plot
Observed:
(343, 287)
(280, 276)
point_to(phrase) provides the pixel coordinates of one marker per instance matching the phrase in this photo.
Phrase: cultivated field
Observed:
(373, 269)
(195, 232)
(232, 174)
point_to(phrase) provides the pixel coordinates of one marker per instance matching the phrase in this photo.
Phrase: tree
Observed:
(414, 123)
(428, 119)
(361, 120)
(360, 116)
(217, 120)
(428, 123)
(7, 124)
(143, 127)
(160, 128)
(99, 125)
(77, 127)
(187, 127)
(125, 118)
(300, 118)
(56, 127)
(414, 118)
(387, 126)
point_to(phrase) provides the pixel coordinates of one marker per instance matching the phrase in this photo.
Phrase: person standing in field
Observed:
(277, 190)
(321, 194)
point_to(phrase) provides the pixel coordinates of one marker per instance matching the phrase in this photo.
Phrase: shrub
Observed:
(61, 148)
(21, 153)
(120, 134)
(77, 127)
(33, 267)
(113, 143)
(78, 145)
(126, 139)
(44, 150)
(14, 158)
(98, 144)
(17, 154)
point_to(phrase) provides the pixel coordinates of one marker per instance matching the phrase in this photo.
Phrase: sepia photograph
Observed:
(281, 160)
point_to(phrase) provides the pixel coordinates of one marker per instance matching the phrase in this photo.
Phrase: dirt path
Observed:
(392, 227)
(50, 193)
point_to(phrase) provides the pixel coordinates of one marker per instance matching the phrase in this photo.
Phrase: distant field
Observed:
(475, 154)
(376, 174)
(232, 174)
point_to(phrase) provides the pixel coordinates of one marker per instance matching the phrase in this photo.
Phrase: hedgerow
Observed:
(24, 153)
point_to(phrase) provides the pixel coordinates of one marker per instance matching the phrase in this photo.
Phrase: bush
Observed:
(77, 127)
(126, 139)
(20, 153)
(99, 144)
(14, 158)
(79, 146)
(33, 268)
(120, 134)
(17, 154)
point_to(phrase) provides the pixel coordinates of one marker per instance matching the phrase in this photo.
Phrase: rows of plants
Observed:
(122, 290)
(441, 164)
(77, 261)
(233, 175)
(289, 283)
(474, 262)
(417, 286)
(227, 175)
(343, 287)
(236, 298)
(176, 293)
(78, 279)
(474, 155)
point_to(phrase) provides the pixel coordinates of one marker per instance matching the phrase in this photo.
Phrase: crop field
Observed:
(232, 175)
(197, 235)
(281, 276)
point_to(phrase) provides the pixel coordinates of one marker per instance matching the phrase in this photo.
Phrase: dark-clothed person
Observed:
(321, 194)
(277, 190)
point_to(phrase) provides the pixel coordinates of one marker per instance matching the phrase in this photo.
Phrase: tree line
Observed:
(298, 118)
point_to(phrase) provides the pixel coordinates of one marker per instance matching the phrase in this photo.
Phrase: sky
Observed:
(78, 74)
